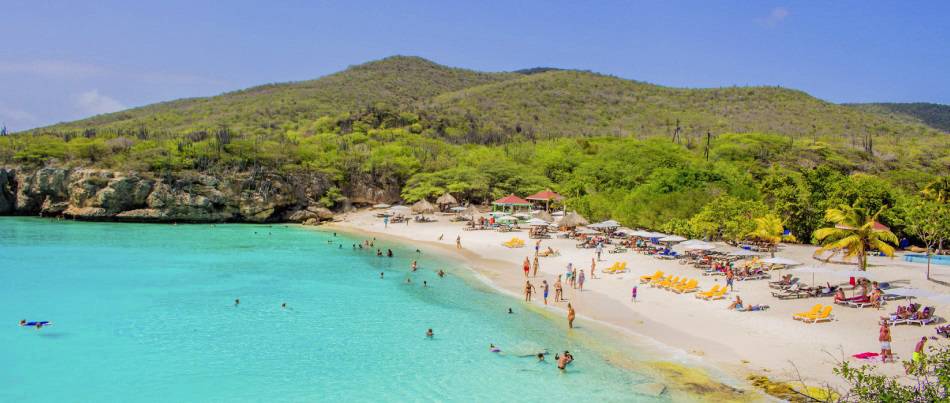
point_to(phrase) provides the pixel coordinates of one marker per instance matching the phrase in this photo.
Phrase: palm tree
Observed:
(938, 190)
(855, 232)
(768, 229)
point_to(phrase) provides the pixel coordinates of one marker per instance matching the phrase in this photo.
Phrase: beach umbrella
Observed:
(535, 222)
(912, 293)
(698, 246)
(470, 211)
(657, 235)
(782, 261)
(380, 206)
(522, 216)
(423, 207)
(812, 270)
(641, 233)
(587, 231)
(857, 274)
(446, 200)
(544, 216)
(571, 220)
(506, 218)
(458, 209)
(610, 224)
(672, 238)
(399, 210)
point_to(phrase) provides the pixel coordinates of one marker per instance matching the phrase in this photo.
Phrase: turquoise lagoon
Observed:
(146, 313)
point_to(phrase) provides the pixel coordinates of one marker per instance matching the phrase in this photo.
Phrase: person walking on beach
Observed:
(526, 266)
(633, 294)
(569, 275)
(544, 290)
(580, 280)
(570, 316)
(535, 266)
(558, 290)
(917, 360)
(537, 247)
(730, 277)
(528, 289)
(884, 336)
(593, 266)
(458, 242)
(385, 222)
(600, 249)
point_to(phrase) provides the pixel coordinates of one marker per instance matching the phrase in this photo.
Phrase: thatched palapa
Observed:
(423, 207)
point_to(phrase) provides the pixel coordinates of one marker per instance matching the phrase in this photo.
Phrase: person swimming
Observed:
(429, 333)
(381, 275)
(540, 357)
(389, 253)
(237, 301)
(441, 273)
(563, 360)
(493, 349)
(510, 311)
(283, 306)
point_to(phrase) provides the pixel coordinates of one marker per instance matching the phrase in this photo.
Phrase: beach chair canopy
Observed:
(672, 238)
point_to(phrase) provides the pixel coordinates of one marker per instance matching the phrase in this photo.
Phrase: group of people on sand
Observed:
(887, 355)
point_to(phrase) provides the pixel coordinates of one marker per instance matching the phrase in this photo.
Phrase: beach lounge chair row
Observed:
(923, 317)
(648, 278)
(619, 267)
(677, 284)
(514, 243)
(817, 313)
(714, 293)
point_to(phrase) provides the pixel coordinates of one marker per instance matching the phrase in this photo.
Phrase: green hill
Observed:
(933, 115)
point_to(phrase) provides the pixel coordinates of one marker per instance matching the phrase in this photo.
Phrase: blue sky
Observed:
(63, 60)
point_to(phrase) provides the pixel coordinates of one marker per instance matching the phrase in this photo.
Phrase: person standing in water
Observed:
(430, 333)
(580, 280)
(570, 316)
(544, 290)
(558, 290)
(237, 301)
(528, 289)
(380, 275)
(414, 265)
(458, 242)
(526, 267)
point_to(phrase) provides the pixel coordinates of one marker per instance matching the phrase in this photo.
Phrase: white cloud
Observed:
(775, 17)
(52, 68)
(94, 103)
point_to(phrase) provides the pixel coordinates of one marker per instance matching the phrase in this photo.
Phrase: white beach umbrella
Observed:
(912, 292)
(587, 231)
(657, 235)
(812, 270)
(610, 224)
(506, 218)
(523, 216)
(699, 246)
(400, 210)
(857, 274)
(782, 261)
(380, 206)
(457, 209)
(537, 222)
(641, 233)
(672, 238)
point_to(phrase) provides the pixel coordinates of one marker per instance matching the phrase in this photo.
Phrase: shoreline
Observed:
(492, 273)
(679, 327)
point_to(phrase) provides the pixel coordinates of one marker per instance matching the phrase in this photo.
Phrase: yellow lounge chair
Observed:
(647, 279)
(823, 316)
(678, 284)
(811, 312)
(658, 280)
(690, 286)
(717, 295)
(704, 294)
(668, 282)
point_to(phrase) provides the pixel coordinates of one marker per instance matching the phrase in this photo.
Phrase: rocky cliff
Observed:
(96, 194)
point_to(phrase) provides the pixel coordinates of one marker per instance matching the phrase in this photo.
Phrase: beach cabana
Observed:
(423, 207)
(446, 202)
(399, 210)
(546, 197)
(511, 203)
(571, 220)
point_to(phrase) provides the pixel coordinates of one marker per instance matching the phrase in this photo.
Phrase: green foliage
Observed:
(727, 218)
(930, 381)
(934, 115)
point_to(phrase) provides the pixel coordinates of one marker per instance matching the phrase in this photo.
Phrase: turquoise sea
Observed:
(146, 313)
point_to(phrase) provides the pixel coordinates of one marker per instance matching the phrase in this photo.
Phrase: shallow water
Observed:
(146, 313)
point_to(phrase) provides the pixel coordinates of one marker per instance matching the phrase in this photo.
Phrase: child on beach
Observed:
(633, 294)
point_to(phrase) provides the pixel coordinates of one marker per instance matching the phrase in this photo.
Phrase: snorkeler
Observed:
(429, 333)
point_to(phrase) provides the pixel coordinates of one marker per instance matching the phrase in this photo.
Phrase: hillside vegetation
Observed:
(934, 115)
(653, 156)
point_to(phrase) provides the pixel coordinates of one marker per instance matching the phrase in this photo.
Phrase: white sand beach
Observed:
(768, 342)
